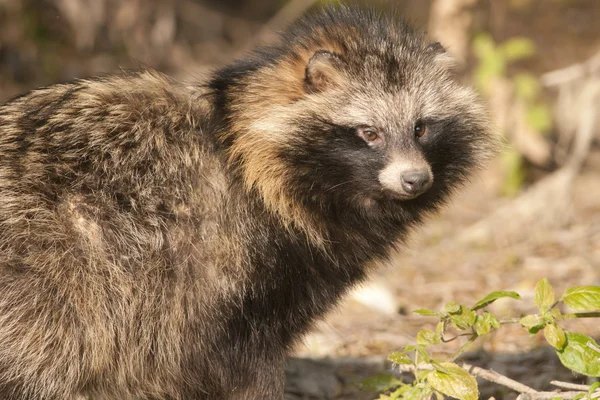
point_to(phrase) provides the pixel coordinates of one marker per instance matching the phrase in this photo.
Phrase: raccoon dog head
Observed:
(353, 111)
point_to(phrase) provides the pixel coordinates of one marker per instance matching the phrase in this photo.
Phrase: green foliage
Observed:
(544, 295)
(581, 354)
(533, 323)
(526, 86)
(426, 312)
(426, 337)
(590, 395)
(555, 336)
(539, 117)
(514, 172)
(516, 49)
(453, 381)
(586, 298)
(407, 392)
(486, 323)
(493, 61)
(380, 383)
(399, 358)
(439, 378)
(492, 297)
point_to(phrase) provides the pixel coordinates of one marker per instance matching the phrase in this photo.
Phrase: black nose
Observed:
(415, 181)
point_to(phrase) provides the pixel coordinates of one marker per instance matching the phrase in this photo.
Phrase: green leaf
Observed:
(582, 298)
(491, 63)
(427, 337)
(533, 323)
(439, 330)
(593, 387)
(422, 355)
(527, 87)
(580, 357)
(452, 307)
(485, 323)
(465, 320)
(483, 46)
(544, 295)
(577, 397)
(454, 382)
(397, 394)
(440, 366)
(380, 383)
(426, 312)
(407, 392)
(556, 314)
(400, 358)
(490, 298)
(422, 374)
(539, 117)
(513, 170)
(555, 335)
(517, 49)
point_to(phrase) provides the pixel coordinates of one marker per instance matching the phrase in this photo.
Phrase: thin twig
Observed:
(444, 340)
(464, 347)
(586, 126)
(591, 314)
(569, 385)
(548, 395)
(527, 393)
(493, 376)
(507, 321)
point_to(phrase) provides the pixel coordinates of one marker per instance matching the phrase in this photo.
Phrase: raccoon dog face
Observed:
(361, 112)
(385, 123)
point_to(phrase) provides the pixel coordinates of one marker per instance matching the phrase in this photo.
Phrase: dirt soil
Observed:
(437, 266)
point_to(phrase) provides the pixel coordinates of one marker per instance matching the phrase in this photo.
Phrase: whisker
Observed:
(338, 185)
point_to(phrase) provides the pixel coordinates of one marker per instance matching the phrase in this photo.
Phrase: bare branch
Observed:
(527, 393)
(569, 385)
(573, 72)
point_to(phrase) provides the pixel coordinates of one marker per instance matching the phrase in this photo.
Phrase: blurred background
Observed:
(533, 213)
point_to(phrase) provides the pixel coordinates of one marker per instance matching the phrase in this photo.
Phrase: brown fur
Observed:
(79, 272)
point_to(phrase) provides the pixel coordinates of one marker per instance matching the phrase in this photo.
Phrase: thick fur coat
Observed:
(170, 241)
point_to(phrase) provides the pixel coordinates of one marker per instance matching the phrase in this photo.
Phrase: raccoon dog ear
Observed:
(322, 71)
(441, 56)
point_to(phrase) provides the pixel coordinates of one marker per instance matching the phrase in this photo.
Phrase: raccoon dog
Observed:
(170, 241)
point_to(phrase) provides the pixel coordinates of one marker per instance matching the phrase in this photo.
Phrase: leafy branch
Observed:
(439, 378)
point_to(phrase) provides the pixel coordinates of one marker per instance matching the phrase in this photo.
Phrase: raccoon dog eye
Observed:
(420, 129)
(370, 136)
